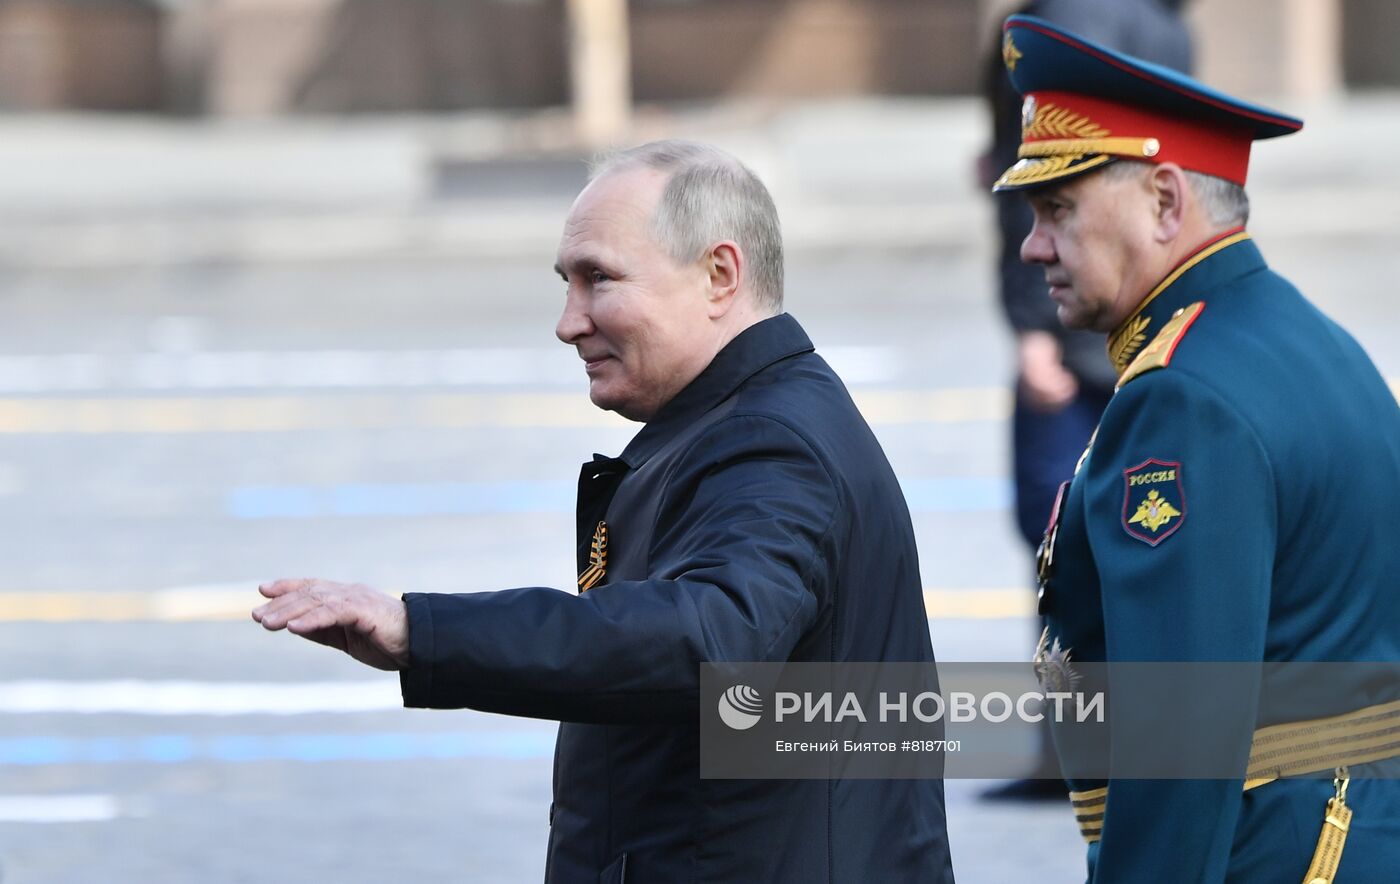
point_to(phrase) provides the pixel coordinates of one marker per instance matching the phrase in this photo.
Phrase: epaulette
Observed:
(1158, 354)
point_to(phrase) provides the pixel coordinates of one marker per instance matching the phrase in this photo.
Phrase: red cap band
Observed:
(1212, 148)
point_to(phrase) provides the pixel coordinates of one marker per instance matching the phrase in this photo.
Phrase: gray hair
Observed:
(710, 196)
(1226, 203)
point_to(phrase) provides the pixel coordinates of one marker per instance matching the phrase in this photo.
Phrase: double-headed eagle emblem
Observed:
(1154, 512)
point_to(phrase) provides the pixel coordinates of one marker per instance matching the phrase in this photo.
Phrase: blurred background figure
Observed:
(1063, 377)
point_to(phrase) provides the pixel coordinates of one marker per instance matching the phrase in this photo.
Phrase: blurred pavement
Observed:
(235, 352)
(105, 191)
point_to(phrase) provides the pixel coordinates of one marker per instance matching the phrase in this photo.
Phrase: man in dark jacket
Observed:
(753, 518)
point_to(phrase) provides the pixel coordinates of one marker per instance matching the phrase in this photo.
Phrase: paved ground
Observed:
(221, 362)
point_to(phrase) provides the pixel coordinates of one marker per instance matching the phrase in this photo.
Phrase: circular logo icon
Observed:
(740, 707)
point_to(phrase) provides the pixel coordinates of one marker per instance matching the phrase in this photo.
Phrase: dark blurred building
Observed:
(81, 54)
(269, 57)
(365, 55)
(1370, 30)
(802, 48)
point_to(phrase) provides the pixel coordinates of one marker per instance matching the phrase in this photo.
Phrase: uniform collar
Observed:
(754, 349)
(1218, 261)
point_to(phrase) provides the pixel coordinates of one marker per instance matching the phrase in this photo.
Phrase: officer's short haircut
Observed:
(1226, 203)
(711, 197)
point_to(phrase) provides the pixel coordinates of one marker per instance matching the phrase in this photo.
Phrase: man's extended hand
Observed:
(366, 624)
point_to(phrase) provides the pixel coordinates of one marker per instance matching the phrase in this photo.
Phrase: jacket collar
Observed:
(1218, 261)
(754, 349)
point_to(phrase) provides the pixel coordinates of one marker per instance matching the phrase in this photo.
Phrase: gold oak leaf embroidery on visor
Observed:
(1052, 121)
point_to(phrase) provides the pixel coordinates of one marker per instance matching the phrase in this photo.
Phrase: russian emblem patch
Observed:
(1154, 504)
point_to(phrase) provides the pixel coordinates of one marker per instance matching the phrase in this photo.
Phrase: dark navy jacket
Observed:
(755, 518)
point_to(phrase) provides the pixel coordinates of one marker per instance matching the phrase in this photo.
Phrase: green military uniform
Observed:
(1233, 506)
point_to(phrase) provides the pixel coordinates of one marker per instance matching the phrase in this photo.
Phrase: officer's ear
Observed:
(1170, 193)
(724, 267)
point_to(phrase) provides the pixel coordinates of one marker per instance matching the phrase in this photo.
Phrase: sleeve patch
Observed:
(1154, 502)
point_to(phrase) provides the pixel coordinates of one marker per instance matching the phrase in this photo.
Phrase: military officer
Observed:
(1063, 379)
(1229, 505)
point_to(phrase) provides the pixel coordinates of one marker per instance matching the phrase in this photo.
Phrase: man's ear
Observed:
(725, 266)
(1171, 192)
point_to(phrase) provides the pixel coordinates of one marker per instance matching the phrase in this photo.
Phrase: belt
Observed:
(1284, 750)
(1293, 749)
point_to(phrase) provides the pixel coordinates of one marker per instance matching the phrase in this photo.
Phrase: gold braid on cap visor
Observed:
(1034, 171)
(1048, 160)
(1072, 147)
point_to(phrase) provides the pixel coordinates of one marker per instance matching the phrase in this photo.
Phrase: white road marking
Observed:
(133, 697)
(233, 602)
(91, 415)
(178, 367)
(58, 808)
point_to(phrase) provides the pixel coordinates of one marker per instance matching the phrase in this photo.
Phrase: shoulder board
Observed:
(1158, 354)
